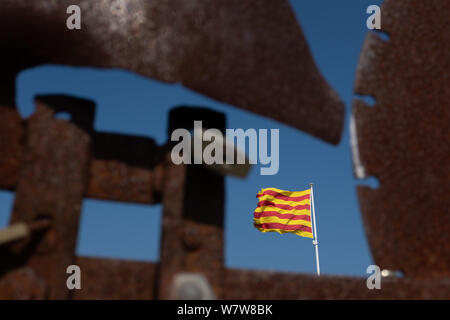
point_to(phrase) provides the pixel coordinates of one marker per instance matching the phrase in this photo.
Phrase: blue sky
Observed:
(130, 104)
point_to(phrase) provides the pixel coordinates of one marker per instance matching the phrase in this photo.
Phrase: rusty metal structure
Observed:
(52, 164)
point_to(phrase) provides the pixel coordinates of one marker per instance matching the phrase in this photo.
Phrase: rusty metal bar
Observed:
(54, 171)
(193, 199)
(22, 230)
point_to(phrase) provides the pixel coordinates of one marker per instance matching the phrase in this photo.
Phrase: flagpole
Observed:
(315, 241)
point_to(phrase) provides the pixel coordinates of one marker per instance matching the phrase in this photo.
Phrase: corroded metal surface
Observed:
(403, 140)
(116, 279)
(51, 184)
(252, 284)
(251, 54)
(193, 215)
(52, 164)
(23, 284)
(11, 147)
(121, 168)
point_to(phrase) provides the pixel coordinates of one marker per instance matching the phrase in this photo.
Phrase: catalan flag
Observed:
(284, 211)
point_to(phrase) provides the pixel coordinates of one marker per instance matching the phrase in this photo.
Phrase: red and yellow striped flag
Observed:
(284, 212)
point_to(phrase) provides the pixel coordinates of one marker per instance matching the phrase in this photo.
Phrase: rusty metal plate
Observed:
(193, 213)
(251, 54)
(403, 140)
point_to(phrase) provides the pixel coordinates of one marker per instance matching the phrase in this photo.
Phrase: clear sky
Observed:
(130, 104)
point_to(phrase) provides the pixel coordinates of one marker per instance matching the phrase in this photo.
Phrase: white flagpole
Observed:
(315, 241)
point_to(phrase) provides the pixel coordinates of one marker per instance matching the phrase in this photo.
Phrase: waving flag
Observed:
(284, 211)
